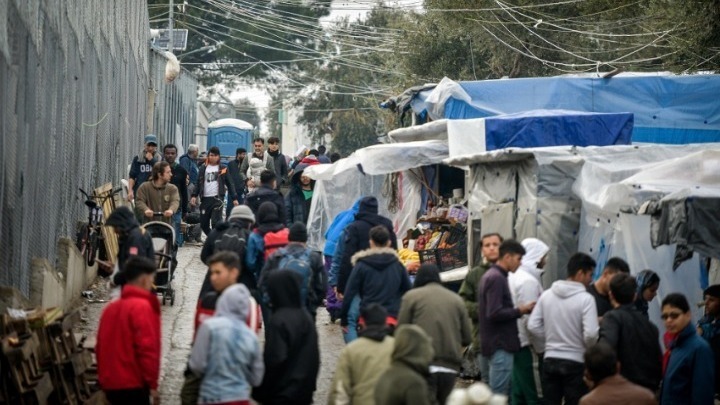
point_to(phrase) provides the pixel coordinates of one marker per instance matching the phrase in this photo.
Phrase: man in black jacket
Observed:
(231, 235)
(633, 337)
(212, 184)
(378, 277)
(280, 161)
(132, 240)
(235, 178)
(357, 236)
(292, 355)
(267, 192)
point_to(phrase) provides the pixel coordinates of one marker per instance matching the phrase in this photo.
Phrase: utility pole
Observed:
(170, 27)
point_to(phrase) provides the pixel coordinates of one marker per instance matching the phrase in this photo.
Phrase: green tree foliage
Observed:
(482, 39)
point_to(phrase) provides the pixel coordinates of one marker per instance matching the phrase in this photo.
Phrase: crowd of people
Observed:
(408, 340)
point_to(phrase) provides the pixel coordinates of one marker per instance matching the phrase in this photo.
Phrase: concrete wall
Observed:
(60, 286)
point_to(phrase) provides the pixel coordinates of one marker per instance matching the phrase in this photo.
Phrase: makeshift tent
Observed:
(586, 199)
(674, 109)
(364, 173)
(341, 183)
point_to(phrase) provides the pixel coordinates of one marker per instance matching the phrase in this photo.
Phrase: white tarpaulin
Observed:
(384, 159)
(435, 130)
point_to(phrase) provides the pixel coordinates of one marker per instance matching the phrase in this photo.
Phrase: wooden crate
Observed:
(108, 206)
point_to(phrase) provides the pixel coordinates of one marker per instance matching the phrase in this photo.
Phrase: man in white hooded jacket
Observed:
(525, 287)
(565, 317)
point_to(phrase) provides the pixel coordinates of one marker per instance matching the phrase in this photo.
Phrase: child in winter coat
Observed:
(255, 168)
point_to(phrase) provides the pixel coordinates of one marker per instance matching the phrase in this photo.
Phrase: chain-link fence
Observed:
(74, 81)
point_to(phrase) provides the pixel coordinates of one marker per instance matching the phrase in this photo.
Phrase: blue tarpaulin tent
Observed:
(539, 128)
(667, 108)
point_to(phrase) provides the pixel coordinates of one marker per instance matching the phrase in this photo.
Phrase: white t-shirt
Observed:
(212, 175)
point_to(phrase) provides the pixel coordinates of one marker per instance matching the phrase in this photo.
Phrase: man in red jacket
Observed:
(128, 339)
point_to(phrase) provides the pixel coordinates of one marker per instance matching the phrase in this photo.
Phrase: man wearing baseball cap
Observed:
(142, 164)
(709, 328)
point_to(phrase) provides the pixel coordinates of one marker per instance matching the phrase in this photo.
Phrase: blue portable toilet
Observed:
(228, 134)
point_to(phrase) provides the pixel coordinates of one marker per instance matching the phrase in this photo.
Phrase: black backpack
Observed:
(233, 239)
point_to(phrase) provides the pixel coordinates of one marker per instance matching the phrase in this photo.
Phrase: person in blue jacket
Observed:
(333, 235)
(688, 364)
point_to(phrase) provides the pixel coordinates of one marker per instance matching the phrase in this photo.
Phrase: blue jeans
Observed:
(176, 218)
(501, 363)
(483, 364)
(353, 315)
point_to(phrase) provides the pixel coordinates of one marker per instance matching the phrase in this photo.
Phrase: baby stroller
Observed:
(163, 237)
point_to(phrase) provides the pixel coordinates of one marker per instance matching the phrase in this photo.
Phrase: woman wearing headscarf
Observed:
(647, 286)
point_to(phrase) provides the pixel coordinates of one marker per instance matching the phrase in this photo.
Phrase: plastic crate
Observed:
(445, 259)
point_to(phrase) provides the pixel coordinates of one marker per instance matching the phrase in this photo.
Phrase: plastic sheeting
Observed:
(331, 196)
(570, 197)
(668, 108)
(432, 130)
(628, 236)
(340, 184)
(384, 159)
(537, 129)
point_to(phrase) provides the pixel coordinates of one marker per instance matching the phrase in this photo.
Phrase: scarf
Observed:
(669, 339)
(274, 154)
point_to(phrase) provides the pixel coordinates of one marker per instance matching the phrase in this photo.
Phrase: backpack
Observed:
(299, 263)
(275, 240)
(232, 239)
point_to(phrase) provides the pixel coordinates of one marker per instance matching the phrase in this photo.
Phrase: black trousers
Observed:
(563, 379)
(439, 386)
(140, 396)
(210, 210)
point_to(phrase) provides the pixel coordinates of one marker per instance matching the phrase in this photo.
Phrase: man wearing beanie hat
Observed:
(709, 328)
(363, 361)
(357, 239)
(297, 257)
(232, 236)
(442, 315)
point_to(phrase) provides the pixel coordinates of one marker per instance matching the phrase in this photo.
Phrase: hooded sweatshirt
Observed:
(338, 225)
(526, 286)
(405, 381)
(360, 365)
(141, 168)
(132, 240)
(378, 277)
(292, 355)
(565, 318)
(357, 236)
(226, 353)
